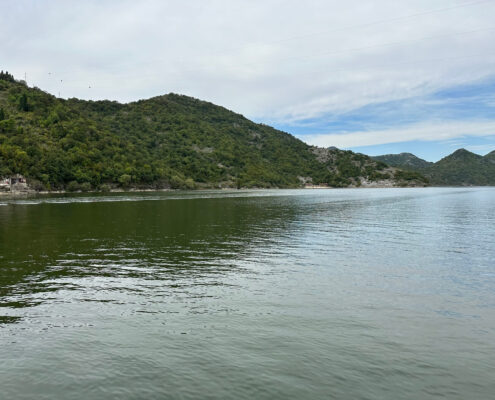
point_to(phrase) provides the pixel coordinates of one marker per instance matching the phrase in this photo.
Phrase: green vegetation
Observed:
(463, 168)
(345, 168)
(167, 141)
(404, 160)
(409, 176)
(460, 168)
(490, 157)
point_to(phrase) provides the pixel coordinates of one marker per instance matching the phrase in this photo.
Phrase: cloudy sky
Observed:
(375, 76)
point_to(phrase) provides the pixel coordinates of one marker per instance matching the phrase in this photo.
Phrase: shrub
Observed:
(125, 180)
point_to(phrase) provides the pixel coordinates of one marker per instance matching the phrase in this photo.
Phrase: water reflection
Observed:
(51, 247)
(269, 294)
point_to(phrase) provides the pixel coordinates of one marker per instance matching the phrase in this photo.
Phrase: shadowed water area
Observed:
(302, 294)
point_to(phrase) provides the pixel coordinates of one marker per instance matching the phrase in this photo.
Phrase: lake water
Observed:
(283, 294)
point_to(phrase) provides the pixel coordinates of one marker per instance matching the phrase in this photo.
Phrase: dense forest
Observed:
(404, 160)
(169, 141)
(460, 168)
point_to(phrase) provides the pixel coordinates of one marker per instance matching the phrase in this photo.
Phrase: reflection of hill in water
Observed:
(237, 297)
(96, 247)
(49, 247)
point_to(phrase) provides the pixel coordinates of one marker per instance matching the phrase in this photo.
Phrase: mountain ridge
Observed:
(167, 141)
(460, 168)
(490, 156)
(403, 159)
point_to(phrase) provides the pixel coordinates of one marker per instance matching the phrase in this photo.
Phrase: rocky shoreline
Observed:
(29, 193)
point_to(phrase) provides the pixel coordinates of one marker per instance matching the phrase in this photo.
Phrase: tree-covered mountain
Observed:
(459, 168)
(404, 160)
(166, 141)
(463, 168)
(490, 156)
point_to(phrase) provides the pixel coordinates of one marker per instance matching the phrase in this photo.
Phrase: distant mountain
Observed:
(404, 160)
(490, 156)
(461, 168)
(169, 141)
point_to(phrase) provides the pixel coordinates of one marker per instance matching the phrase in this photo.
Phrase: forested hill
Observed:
(459, 168)
(166, 141)
(490, 156)
(404, 160)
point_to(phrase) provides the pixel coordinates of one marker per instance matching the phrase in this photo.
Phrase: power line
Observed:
(357, 26)
(380, 67)
(357, 49)
(383, 21)
(426, 60)
(350, 27)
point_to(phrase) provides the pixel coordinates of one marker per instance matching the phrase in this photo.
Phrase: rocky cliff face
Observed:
(350, 169)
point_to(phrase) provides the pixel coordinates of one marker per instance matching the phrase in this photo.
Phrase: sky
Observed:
(377, 76)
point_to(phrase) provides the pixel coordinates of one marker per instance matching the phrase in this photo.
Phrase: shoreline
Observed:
(10, 195)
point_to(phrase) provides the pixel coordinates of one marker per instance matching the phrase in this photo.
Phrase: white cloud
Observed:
(272, 60)
(428, 131)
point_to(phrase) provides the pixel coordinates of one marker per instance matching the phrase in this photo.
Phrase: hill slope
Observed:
(460, 168)
(166, 141)
(404, 160)
(490, 156)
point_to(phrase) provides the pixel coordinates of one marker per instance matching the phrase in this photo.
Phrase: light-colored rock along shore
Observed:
(366, 184)
(370, 185)
(31, 192)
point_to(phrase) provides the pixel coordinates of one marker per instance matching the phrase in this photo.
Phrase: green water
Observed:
(304, 294)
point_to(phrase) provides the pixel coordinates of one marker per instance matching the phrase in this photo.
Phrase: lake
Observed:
(269, 294)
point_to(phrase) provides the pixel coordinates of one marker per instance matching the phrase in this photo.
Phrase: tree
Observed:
(125, 180)
(5, 76)
(23, 103)
(2, 114)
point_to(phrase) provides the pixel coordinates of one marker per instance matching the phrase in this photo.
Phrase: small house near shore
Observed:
(14, 183)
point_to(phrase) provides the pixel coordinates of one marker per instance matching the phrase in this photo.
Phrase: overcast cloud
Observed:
(429, 131)
(278, 62)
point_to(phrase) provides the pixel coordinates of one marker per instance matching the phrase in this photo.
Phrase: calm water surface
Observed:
(304, 294)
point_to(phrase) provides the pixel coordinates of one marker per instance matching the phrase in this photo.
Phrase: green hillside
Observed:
(166, 141)
(404, 160)
(461, 168)
(490, 156)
